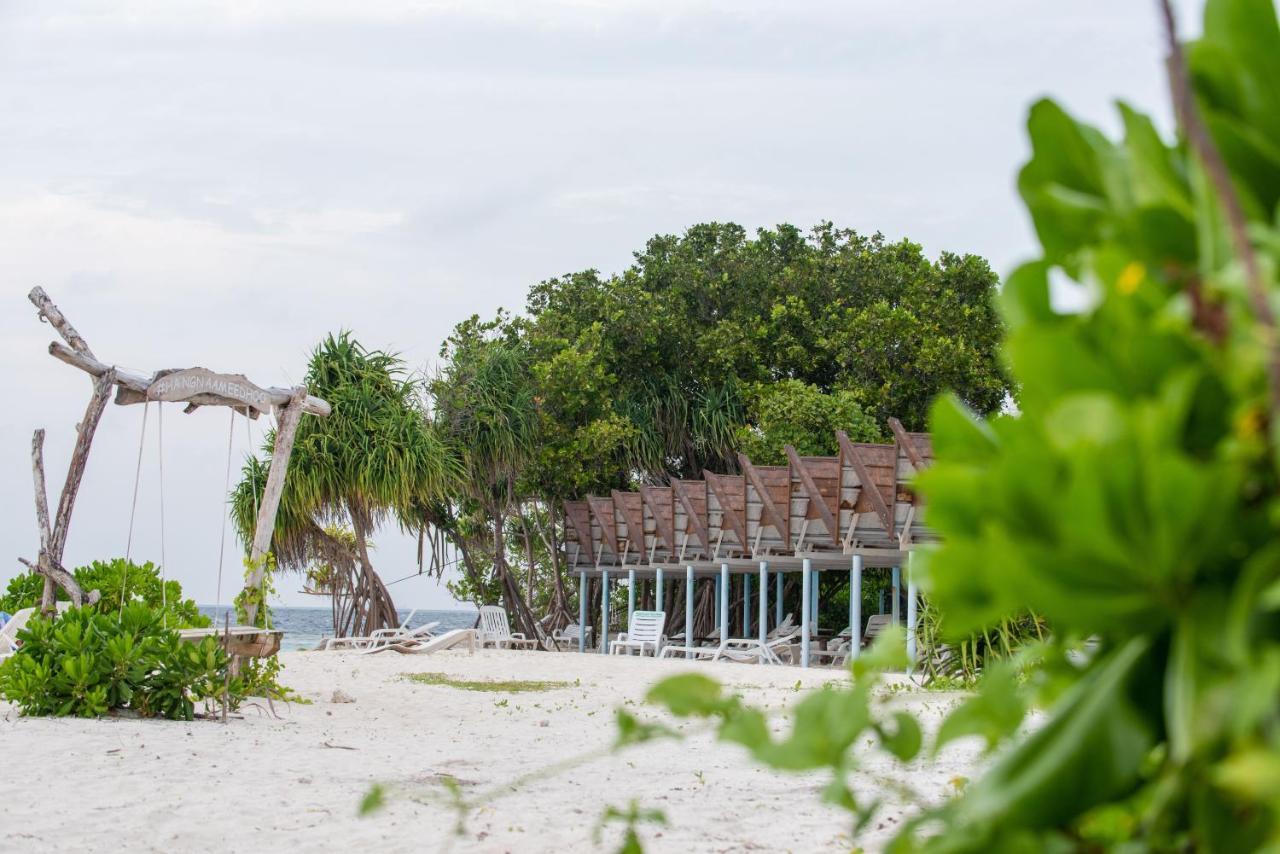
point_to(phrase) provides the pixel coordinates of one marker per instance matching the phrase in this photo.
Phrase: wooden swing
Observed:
(196, 387)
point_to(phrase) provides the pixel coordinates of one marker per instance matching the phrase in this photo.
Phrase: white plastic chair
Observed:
(17, 622)
(495, 629)
(644, 632)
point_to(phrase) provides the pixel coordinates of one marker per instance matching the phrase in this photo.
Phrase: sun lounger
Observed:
(448, 640)
(644, 632)
(381, 636)
(568, 636)
(495, 629)
(749, 649)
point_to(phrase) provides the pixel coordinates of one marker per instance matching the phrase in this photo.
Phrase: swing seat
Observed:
(242, 641)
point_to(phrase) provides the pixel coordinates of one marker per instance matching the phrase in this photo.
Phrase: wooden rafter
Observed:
(687, 491)
(768, 510)
(816, 498)
(731, 492)
(602, 512)
(869, 487)
(660, 502)
(629, 507)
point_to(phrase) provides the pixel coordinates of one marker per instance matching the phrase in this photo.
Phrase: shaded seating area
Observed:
(727, 555)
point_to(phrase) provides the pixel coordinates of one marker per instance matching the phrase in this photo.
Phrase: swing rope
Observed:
(164, 563)
(226, 491)
(133, 510)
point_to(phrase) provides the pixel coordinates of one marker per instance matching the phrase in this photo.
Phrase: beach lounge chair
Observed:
(16, 623)
(495, 629)
(428, 644)
(771, 651)
(383, 637)
(644, 632)
(568, 637)
(838, 653)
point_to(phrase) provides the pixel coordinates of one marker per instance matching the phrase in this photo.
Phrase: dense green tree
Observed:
(790, 412)
(375, 458)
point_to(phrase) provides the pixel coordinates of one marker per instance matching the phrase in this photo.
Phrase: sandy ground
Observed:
(294, 782)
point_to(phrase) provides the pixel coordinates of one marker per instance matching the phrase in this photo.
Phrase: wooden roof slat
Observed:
(731, 492)
(661, 504)
(801, 468)
(769, 510)
(630, 507)
(602, 510)
(687, 491)
(918, 447)
(869, 486)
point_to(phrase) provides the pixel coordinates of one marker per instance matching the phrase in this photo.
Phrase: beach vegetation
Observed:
(493, 686)
(370, 462)
(89, 663)
(118, 582)
(1130, 503)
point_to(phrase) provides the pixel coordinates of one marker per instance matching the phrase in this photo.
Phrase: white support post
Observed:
(911, 616)
(724, 602)
(659, 605)
(688, 610)
(763, 629)
(895, 608)
(582, 611)
(604, 612)
(855, 607)
(804, 612)
(746, 606)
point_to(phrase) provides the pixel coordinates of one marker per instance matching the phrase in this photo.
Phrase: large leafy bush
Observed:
(88, 662)
(118, 581)
(1133, 500)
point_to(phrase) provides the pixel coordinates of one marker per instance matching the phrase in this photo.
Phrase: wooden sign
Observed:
(203, 386)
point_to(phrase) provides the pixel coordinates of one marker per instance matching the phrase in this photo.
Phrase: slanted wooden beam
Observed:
(661, 504)
(768, 510)
(907, 443)
(631, 508)
(868, 485)
(698, 519)
(815, 495)
(731, 492)
(602, 510)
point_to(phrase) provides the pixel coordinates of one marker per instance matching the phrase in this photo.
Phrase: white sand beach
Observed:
(295, 782)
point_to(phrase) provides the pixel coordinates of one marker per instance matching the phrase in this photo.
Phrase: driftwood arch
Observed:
(196, 387)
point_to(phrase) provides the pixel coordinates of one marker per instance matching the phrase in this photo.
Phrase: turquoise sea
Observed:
(305, 627)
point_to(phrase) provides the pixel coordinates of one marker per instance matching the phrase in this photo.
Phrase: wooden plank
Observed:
(692, 495)
(265, 525)
(133, 386)
(579, 515)
(769, 510)
(660, 501)
(201, 385)
(907, 442)
(731, 492)
(630, 508)
(868, 483)
(816, 497)
(602, 510)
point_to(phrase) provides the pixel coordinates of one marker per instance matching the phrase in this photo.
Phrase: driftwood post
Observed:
(264, 525)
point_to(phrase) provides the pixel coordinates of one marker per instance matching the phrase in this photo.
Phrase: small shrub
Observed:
(88, 662)
(118, 581)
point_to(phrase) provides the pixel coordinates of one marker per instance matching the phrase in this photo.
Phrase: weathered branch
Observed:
(79, 459)
(55, 317)
(1188, 116)
(133, 386)
(56, 574)
(42, 494)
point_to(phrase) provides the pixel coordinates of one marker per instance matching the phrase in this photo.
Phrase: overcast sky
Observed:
(222, 183)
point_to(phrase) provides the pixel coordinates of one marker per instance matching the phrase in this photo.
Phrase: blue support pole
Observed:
(911, 615)
(604, 611)
(724, 602)
(777, 599)
(719, 615)
(855, 607)
(764, 601)
(631, 596)
(582, 611)
(817, 585)
(688, 609)
(746, 606)
(897, 597)
(805, 631)
(659, 605)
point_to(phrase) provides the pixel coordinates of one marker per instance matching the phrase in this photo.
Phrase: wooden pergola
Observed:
(849, 513)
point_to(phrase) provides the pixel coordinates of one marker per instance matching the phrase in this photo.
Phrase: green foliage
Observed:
(119, 582)
(495, 686)
(89, 662)
(630, 818)
(791, 412)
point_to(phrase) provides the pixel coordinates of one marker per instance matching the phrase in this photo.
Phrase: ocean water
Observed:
(305, 627)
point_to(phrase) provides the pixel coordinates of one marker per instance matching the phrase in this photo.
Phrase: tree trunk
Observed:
(371, 601)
